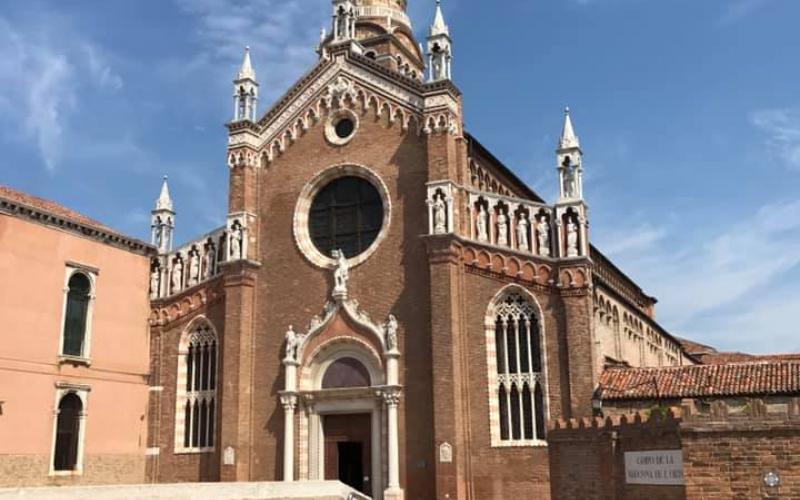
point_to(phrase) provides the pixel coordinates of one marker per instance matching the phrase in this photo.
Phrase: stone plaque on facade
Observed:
(664, 467)
(446, 453)
(229, 456)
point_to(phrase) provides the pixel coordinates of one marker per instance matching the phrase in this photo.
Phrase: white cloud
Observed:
(636, 239)
(41, 82)
(699, 279)
(782, 127)
(282, 35)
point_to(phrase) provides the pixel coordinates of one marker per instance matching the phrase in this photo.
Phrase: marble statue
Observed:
(292, 341)
(482, 223)
(522, 232)
(572, 239)
(390, 331)
(154, 282)
(439, 216)
(544, 237)
(236, 239)
(502, 229)
(194, 267)
(211, 260)
(177, 276)
(341, 273)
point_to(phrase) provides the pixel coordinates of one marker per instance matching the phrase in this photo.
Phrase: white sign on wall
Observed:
(663, 467)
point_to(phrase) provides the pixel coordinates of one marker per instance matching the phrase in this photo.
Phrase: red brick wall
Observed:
(725, 456)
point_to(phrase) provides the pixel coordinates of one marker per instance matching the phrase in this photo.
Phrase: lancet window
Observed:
(519, 410)
(197, 389)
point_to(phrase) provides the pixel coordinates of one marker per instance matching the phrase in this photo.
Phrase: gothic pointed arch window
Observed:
(195, 429)
(516, 378)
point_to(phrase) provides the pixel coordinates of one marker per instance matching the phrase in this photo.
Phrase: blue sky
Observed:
(688, 112)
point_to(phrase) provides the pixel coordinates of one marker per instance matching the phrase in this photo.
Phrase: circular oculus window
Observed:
(341, 127)
(344, 208)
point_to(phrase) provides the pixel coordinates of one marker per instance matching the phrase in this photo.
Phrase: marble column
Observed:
(391, 398)
(289, 402)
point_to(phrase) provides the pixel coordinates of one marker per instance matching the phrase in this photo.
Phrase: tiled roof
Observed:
(51, 213)
(736, 379)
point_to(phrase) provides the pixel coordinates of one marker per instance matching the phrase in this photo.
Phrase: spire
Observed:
(246, 72)
(439, 27)
(162, 220)
(164, 202)
(568, 138)
(570, 162)
(245, 91)
(440, 51)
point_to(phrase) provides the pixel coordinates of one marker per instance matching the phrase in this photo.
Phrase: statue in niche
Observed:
(502, 228)
(570, 179)
(292, 341)
(390, 332)
(236, 240)
(211, 260)
(341, 273)
(155, 275)
(482, 223)
(194, 267)
(572, 238)
(439, 215)
(177, 275)
(522, 232)
(544, 236)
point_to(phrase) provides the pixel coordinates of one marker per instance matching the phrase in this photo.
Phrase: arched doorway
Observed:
(341, 397)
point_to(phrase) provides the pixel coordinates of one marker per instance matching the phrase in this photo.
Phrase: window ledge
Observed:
(193, 451)
(66, 473)
(530, 443)
(74, 360)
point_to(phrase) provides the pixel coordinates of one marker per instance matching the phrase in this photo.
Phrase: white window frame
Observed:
(493, 377)
(82, 391)
(181, 394)
(91, 273)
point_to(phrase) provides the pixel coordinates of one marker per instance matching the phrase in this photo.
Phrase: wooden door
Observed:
(348, 450)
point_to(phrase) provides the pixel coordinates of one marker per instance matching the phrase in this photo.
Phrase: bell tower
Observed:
(381, 30)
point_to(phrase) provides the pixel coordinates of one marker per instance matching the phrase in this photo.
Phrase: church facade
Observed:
(387, 303)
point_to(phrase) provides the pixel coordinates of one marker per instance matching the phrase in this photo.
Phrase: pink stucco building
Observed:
(74, 356)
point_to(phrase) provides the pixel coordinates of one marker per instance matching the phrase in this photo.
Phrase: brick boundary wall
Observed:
(725, 455)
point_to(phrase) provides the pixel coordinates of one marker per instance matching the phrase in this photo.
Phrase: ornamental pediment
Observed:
(342, 83)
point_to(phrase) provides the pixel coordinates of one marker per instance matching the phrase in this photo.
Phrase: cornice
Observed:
(101, 235)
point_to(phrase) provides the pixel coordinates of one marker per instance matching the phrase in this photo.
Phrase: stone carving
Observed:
(236, 240)
(390, 333)
(194, 267)
(572, 238)
(177, 275)
(155, 281)
(340, 87)
(544, 237)
(482, 224)
(210, 261)
(341, 274)
(445, 453)
(570, 179)
(502, 228)
(439, 215)
(522, 232)
(229, 456)
(292, 341)
(289, 401)
(391, 397)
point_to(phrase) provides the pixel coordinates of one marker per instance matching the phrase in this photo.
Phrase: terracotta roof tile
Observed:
(735, 379)
(35, 204)
(48, 206)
